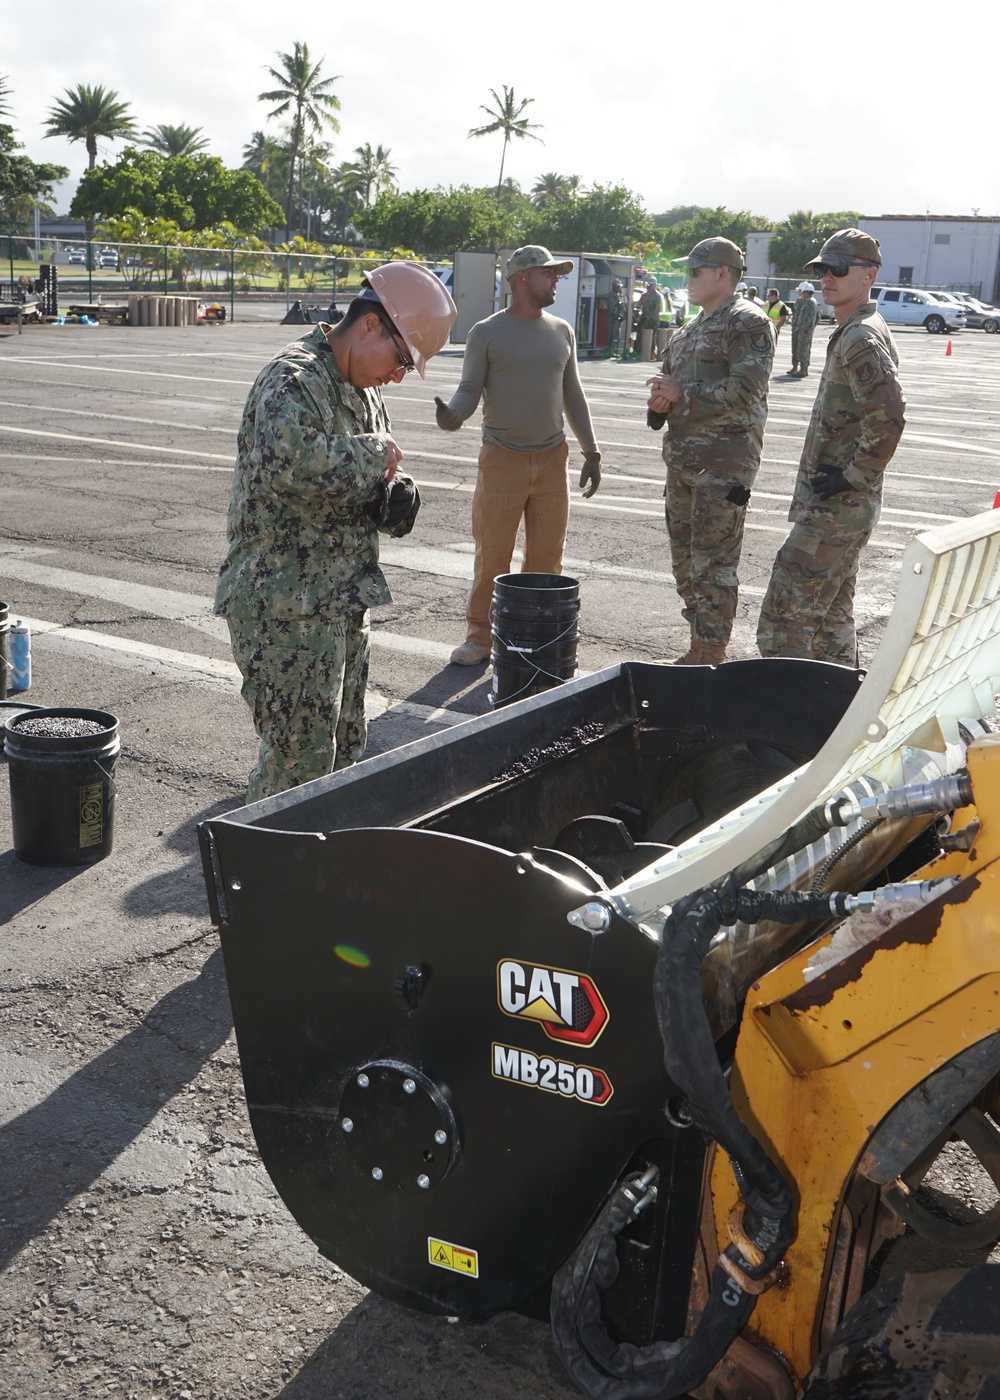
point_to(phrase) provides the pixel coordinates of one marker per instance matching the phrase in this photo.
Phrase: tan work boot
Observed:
(692, 657)
(470, 654)
(712, 653)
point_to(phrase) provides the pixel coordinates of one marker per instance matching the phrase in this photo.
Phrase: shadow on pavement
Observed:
(381, 1351)
(470, 684)
(181, 890)
(22, 885)
(52, 1152)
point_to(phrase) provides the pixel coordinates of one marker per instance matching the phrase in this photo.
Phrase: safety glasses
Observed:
(405, 363)
(836, 270)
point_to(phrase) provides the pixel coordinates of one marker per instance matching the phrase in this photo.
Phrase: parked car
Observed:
(909, 306)
(107, 257)
(979, 314)
(77, 255)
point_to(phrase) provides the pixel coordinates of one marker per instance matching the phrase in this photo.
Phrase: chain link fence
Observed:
(250, 284)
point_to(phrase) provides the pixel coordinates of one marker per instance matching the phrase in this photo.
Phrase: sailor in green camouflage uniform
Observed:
(713, 391)
(804, 323)
(856, 422)
(315, 455)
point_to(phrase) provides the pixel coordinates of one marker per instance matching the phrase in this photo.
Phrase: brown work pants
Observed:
(511, 486)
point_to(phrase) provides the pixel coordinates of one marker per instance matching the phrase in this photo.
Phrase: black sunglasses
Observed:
(840, 270)
(405, 363)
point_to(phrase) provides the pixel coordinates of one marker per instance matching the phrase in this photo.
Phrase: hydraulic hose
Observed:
(610, 1371)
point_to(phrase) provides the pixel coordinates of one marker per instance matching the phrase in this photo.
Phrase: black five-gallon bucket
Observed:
(62, 784)
(535, 628)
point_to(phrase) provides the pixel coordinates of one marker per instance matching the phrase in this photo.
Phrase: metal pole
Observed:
(10, 254)
(333, 300)
(165, 269)
(90, 270)
(232, 283)
(288, 281)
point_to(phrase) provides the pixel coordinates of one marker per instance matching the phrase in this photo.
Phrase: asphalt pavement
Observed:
(143, 1250)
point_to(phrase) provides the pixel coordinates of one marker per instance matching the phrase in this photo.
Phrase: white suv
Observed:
(908, 306)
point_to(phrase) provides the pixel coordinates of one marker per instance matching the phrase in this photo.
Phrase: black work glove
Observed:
(447, 418)
(590, 477)
(395, 504)
(830, 481)
(655, 420)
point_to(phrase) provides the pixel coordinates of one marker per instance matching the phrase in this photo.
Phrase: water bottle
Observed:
(20, 656)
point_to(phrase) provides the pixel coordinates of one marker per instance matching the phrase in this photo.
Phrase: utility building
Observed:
(945, 251)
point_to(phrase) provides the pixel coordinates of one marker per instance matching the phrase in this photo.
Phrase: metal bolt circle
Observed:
(348, 1125)
(235, 885)
(363, 1081)
(409, 1087)
(423, 1182)
(376, 1173)
(440, 1137)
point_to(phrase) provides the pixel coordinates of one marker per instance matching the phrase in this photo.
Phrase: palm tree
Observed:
(508, 117)
(4, 94)
(549, 188)
(374, 168)
(84, 114)
(302, 93)
(175, 140)
(348, 182)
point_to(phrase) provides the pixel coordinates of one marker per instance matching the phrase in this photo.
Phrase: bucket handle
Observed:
(530, 651)
(112, 785)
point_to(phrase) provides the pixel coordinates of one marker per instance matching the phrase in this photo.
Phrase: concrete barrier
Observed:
(152, 309)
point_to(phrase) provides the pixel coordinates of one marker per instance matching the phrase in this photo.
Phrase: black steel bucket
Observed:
(535, 627)
(62, 786)
(4, 650)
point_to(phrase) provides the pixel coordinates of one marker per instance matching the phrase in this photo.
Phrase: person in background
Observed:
(803, 325)
(316, 478)
(712, 395)
(776, 309)
(856, 424)
(522, 363)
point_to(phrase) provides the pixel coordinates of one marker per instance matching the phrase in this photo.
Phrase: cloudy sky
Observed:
(769, 107)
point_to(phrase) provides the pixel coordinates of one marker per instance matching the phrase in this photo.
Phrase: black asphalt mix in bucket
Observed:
(62, 784)
(535, 630)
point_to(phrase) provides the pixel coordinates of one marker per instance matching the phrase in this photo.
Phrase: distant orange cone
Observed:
(948, 351)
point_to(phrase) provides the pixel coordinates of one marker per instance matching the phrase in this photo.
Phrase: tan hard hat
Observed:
(419, 305)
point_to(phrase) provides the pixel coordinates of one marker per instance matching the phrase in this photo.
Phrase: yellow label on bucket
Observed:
(91, 814)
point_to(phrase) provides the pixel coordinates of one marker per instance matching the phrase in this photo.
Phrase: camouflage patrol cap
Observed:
(716, 252)
(848, 245)
(534, 255)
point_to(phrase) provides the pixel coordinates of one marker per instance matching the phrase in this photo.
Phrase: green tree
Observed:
(24, 184)
(678, 214)
(799, 237)
(608, 219)
(548, 189)
(4, 95)
(196, 191)
(83, 114)
(175, 140)
(307, 99)
(679, 238)
(437, 222)
(507, 116)
(375, 170)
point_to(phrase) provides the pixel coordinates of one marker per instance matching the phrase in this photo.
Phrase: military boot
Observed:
(711, 653)
(692, 657)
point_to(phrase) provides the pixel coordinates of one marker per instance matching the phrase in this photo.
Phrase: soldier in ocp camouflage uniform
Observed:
(856, 422)
(803, 325)
(713, 395)
(315, 456)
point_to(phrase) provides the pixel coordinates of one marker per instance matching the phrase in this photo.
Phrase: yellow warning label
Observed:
(452, 1256)
(91, 814)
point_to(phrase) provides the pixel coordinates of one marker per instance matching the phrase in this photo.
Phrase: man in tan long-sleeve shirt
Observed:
(522, 363)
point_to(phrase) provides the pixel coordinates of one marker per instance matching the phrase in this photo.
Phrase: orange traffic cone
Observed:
(948, 351)
(996, 501)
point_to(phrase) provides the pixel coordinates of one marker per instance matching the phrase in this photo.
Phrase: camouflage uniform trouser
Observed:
(808, 609)
(706, 537)
(802, 339)
(304, 679)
